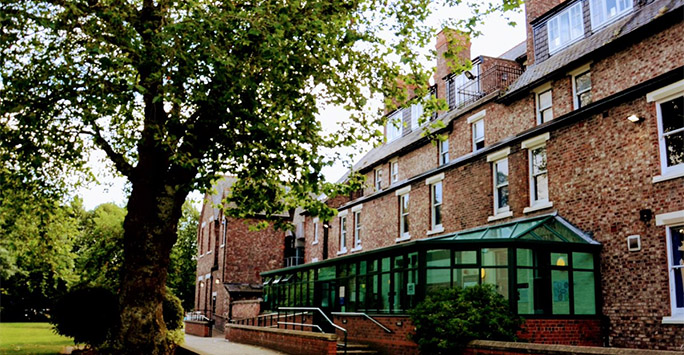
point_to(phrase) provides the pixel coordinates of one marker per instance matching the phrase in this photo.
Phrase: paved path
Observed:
(218, 345)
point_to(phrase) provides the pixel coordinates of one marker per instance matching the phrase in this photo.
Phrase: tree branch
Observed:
(120, 162)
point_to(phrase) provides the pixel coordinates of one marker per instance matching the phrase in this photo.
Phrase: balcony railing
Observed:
(495, 78)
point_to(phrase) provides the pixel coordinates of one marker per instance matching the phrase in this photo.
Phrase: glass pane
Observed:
(674, 148)
(523, 227)
(404, 224)
(326, 273)
(585, 296)
(502, 172)
(672, 112)
(384, 293)
(465, 257)
(561, 229)
(524, 257)
(547, 115)
(413, 260)
(541, 187)
(499, 232)
(497, 277)
(438, 215)
(398, 301)
(478, 129)
(362, 268)
(545, 99)
(538, 160)
(438, 257)
(351, 295)
(545, 234)
(559, 259)
(560, 291)
(677, 241)
(362, 293)
(582, 261)
(525, 290)
(404, 203)
(372, 266)
(471, 235)
(583, 82)
(399, 262)
(437, 193)
(678, 275)
(465, 277)
(584, 99)
(494, 256)
(502, 194)
(437, 278)
(385, 264)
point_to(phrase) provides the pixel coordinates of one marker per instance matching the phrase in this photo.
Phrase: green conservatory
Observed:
(542, 265)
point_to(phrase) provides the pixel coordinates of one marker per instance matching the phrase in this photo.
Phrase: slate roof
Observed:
(537, 73)
(516, 52)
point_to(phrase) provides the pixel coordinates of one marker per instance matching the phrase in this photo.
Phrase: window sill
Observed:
(356, 249)
(678, 319)
(500, 216)
(314, 242)
(403, 239)
(209, 252)
(435, 230)
(538, 206)
(670, 176)
(341, 252)
(222, 245)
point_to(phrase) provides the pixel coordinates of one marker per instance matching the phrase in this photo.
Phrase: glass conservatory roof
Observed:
(550, 228)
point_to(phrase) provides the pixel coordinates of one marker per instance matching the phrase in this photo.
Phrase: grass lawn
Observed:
(31, 338)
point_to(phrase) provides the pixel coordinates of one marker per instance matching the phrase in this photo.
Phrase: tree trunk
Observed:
(149, 234)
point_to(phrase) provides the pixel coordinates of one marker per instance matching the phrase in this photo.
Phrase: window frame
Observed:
(595, 25)
(557, 20)
(434, 205)
(395, 119)
(394, 171)
(404, 231)
(343, 234)
(377, 179)
(315, 231)
(586, 68)
(443, 151)
(224, 238)
(667, 93)
(356, 213)
(495, 159)
(531, 145)
(495, 166)
(671, 220)
(540, 109)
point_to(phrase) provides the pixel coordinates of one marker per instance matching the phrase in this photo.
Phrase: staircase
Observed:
(355, 348)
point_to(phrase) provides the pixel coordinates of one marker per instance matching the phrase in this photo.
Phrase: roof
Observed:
(515, 52)
(538, 72)
(220, 190)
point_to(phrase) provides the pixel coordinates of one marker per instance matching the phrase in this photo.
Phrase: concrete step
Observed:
(355, 348)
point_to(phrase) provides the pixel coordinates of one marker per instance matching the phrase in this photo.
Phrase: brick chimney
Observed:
(459, 43)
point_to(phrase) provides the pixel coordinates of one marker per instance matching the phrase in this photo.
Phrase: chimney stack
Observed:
(459, 44)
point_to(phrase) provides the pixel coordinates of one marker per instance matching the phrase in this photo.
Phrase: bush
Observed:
(88, 315)
(448, 319)
(173, 317)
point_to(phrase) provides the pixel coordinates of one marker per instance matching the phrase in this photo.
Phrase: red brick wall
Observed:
(290, 342)
(583, 332)
(364, 331)
(246, 309)
(200, 329)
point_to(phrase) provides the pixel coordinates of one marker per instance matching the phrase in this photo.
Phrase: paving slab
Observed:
(218, 345)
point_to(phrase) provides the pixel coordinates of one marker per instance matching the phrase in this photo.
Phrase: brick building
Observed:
(561, 182)
(231, 258)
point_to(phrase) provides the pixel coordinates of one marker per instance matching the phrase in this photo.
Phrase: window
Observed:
(539, 182)
(225, 231)
(581, 87)
(343, 234)
(443, 151)
(394, 126)
(544, 106)
(605, 11)
(565, 28)
(357, 227)
(403, 216)
(501, 186)
(478, 135)
(378, 179)
(670, 110)
(394, 171)
(416, 112)
(436, 206)
(675, 241)
(315, 231)
(460, 90)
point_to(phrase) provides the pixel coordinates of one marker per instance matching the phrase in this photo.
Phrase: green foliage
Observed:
(449, 318)
(183, 263)
(173, 317)
(88, 315)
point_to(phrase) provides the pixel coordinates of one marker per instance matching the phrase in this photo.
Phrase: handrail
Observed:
(324, 316)
(365, 315)
(303, 325)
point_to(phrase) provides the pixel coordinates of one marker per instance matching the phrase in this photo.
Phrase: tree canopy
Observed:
(177, 93)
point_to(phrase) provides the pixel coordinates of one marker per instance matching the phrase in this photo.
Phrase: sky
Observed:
(497, 37)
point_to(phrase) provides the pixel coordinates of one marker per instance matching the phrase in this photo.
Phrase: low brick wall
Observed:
(360, 329)
(583, 332)
(245, 308)
(198, 328)
(488, 347)
(287, 341)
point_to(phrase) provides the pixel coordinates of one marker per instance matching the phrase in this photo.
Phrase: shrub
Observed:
(173, 317)
(448, 319)
(88, 315)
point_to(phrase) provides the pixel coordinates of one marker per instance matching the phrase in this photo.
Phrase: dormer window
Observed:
(565, 28)
(394, 126)
(606, 11)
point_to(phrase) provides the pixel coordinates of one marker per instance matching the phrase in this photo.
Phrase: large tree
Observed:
(178, 92)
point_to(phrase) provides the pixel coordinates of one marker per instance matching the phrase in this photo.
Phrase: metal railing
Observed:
(387, 330)
(495, 78)
(325, 316)
(197, 316)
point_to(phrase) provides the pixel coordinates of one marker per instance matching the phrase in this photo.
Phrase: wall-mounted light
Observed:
(634, 118)
(469, 75)
(217, 281)
(201, 284)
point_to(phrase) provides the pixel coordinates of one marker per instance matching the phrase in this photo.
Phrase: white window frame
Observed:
(573, 75)
(377, 174)
(315, 231)
(474, 121)
(343, 232)
(356, 213)
(224, 223)
(671, 220)
(496, 158)
(401, 194)
(538, 92)
(432, 182)
(597, 23)
(394, 126)
(416, 112)
(531, 145)
(394, 170)
(556, 21)
(443, 151)
(659, 96)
